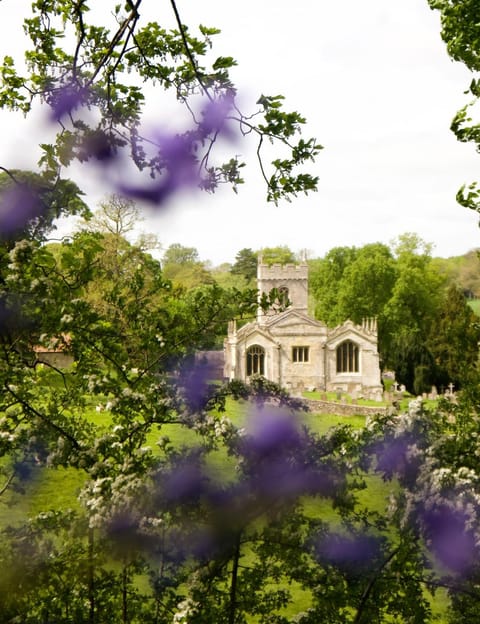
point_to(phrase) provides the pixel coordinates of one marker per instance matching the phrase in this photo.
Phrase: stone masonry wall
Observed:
(343, 409)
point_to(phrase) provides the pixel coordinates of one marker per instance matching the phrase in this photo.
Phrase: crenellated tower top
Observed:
(291, 279)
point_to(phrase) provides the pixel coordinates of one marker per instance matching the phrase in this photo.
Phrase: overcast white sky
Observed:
(378, 90)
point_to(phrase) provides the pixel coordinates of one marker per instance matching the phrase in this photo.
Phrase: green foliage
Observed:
(245, 264)
(77, 66)
(281, 254)
(461, 33)
(404, 289)
(182, 266)
(31, 202)
(325, 282)
(367, 283)
(454, 340)
(123, 549)
(461, 271)
(178, 254)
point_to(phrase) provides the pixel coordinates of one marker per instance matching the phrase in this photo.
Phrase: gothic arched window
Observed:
(255, 361)
(283, 295)
(347, 357)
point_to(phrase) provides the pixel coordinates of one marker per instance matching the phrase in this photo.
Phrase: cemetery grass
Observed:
(57, 488)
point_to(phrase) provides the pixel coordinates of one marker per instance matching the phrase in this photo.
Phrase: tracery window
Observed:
(300, 354)
(347, 357)
(255, 361)
(283, 295)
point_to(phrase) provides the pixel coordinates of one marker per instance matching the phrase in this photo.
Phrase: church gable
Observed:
(293, 320)
(360, 334)
(252, 334)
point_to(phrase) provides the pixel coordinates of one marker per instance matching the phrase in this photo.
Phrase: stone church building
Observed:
(299, 352)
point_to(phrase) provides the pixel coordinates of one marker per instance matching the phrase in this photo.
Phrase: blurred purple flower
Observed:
(281, 466)
(185, 483)
(67, 99)
(450, 541)
(282, 480)
(20, 204)
(215, 114)
(196, 384)
(394, 456)
(391, 456)
(273, 432)
(350, 553)
(127, 536)
(179, 167)
(100, 145)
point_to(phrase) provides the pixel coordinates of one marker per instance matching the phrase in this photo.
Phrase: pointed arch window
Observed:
(255, 361)
(347, 357)
(283, 295)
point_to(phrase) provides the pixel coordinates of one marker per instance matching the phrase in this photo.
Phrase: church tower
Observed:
(289, 279)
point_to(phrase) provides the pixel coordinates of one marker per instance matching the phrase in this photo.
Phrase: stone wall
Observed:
(343, 409)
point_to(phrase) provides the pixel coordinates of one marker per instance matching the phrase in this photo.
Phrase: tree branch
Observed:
(188, 51)
(29, 408)
(371, 583)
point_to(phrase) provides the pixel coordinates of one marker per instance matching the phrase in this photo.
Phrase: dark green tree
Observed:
(245, 264)
(454, 340)
(367, 282)
(325, 280)
(411, 310)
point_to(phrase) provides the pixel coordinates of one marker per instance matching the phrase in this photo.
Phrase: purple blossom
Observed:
(177, 157)
(179, 170)
(127, 535)
(20, 204)
(351, 553)
(215, 114)
(394, 457)
(185, 483)
(196, 385)
(100, 145)
(273, 433)
(67, 99)
(449, 539)
(281, 465)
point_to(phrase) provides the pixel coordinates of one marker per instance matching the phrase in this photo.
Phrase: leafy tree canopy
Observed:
(460, 21)
(245, 264)
(179, 254)
(281, 254)
(454, 340)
